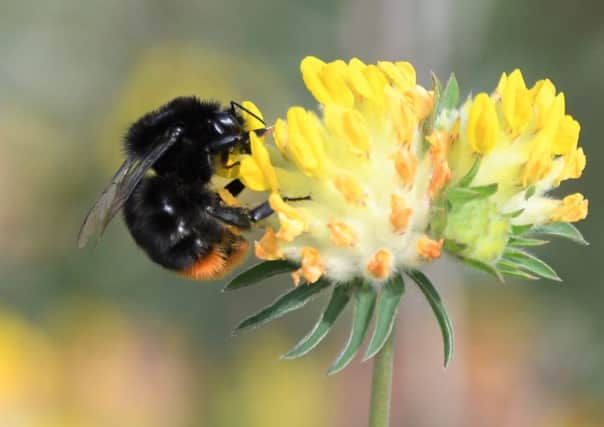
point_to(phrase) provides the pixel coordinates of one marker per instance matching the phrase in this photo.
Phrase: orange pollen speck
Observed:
(350, 189)
(440, 177)
(312, 268)
(399, 214)
(405, 164)
(341, 234)
(439, 146)
(268, 246)
(429, 248)
(572, 209)
(379, 264)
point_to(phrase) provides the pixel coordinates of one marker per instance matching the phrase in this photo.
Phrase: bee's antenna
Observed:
(241, 107)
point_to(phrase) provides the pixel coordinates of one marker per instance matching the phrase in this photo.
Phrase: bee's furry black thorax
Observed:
(186, 158)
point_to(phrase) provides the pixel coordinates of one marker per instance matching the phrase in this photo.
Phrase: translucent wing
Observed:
(120, 188)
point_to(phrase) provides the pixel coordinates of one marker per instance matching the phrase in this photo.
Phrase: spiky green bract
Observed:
(364, 304)
(431, 294)
(337, 303)
(293, 300)
(259, 273)
(387, 309)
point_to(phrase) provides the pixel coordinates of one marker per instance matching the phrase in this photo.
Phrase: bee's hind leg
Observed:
(242, 217)
(264, 210)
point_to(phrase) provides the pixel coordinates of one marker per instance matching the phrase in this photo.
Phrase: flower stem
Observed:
(381, 385)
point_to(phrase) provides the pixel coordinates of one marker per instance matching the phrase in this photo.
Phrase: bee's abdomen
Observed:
(167, 219)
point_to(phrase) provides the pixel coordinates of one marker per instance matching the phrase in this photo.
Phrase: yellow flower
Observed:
(542, 95)
(516, 102)
(572, 209)
(384, 177)
(256, 170)
(483, 126)
(574, 163)
(567, 135)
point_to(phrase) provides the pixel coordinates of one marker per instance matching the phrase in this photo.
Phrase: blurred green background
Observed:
(103, 337)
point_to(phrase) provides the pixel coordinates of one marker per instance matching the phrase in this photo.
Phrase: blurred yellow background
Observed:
(103, 337)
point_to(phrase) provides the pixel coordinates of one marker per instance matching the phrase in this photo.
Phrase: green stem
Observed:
(381, 385)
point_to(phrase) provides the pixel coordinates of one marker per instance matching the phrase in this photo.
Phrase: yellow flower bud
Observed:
(574, 163)
(483, 125)
(567, 136)
(402, 75)
(256, 171)
(539, 159)
(542, 94)
(311, 68)
(356, 78)
(249, 121)
(305, 142)
(516, 103)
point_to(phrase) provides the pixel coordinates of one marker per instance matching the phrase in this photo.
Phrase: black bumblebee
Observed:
(172, 213)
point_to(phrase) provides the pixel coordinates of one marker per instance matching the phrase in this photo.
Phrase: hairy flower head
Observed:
(388, 174)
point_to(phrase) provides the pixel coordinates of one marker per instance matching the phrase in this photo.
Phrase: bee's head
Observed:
(225, 123)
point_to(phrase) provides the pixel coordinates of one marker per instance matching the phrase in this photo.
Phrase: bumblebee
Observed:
(163, 188)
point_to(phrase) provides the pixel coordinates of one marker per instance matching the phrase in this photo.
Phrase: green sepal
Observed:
(453, 246)
(428, 125)
(560, 229)
(387, 309)
(509, 268)
(530, 263)
(439, 310)
(338, 301)
(286, 303)
(437, 87)
(519, 230)
(260, 272)
(450, 95)
(487, 268)
(465, 194)
(530, 192)
(520, 242)
(364, 304)
(469, 177)
(438, 216)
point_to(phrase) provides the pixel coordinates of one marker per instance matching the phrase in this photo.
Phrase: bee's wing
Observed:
(119, 189)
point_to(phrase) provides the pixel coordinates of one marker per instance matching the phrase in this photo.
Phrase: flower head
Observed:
(389, 176)
(373, 170)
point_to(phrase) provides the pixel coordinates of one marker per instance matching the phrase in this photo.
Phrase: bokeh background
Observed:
(102, 337)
